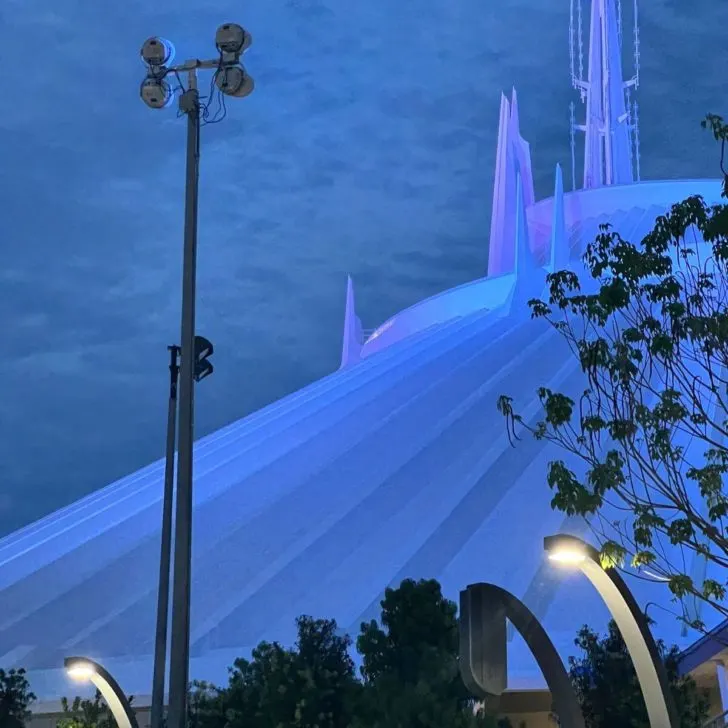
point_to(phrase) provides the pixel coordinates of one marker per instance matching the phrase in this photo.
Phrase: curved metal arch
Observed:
(632, 624)
(108, 687)
(484, 609)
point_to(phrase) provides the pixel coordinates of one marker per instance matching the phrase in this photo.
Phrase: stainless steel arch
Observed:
(484, 609)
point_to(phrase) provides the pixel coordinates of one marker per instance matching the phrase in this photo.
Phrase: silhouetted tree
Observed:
(410, 676)
(206, 706)
(310, 685)
(410, 663)
(608, 690)
(15, 698)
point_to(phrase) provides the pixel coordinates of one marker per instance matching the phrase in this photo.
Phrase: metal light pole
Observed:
(180, 638)
(231, 79)
(160, 642)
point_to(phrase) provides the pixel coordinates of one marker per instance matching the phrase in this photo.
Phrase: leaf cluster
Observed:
(647, 437)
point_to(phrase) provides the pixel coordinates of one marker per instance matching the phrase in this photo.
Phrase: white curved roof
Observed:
(396, 467)
(627, 207)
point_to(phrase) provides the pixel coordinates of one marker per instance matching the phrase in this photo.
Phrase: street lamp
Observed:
(82, 669)
(571, 551)
(156, 91)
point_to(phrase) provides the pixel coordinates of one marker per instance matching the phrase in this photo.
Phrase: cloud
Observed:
(367, 147)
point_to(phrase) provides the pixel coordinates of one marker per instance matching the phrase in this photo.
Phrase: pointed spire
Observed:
(560, 252)
(522, 152)
(515, 118)
(498, 212)
(530, 278)
(524, 257)
(498, 215)
(352, 343)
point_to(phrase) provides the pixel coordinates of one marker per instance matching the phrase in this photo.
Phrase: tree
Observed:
(410, 663)
(313, 684)
(15, 698)
(206, 706)
(607, 688)
(650, 332)
(83, 713)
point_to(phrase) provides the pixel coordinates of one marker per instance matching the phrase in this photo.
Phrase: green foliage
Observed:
(410, 663)
(15, 698)
(311, 685)
(649, 330)
(83, 713)
(608, 690)
(402, 659)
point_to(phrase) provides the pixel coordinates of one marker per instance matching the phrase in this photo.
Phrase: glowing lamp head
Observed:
(567, 557)
(565, 550)
(80, 670)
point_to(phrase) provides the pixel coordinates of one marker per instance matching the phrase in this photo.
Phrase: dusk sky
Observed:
(367, 149)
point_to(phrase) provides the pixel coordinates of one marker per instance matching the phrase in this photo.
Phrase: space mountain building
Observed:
(397, 465)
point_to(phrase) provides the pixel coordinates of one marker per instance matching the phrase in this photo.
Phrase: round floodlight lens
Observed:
(234, 81)
(156, 93)
(232, 38)
(157, 52)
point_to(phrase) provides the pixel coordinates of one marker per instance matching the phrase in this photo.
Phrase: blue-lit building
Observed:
(396, 465)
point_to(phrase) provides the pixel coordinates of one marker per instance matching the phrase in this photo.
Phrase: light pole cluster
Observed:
(230, 79)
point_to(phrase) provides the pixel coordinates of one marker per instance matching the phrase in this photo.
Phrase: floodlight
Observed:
(156, 93)
(157, 52)
(234, 81)
(232, 38)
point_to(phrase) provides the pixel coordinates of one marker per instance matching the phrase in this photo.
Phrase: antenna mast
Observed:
(611, 152)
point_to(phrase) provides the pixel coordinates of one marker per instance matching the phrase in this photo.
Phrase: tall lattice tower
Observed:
(611, 133)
